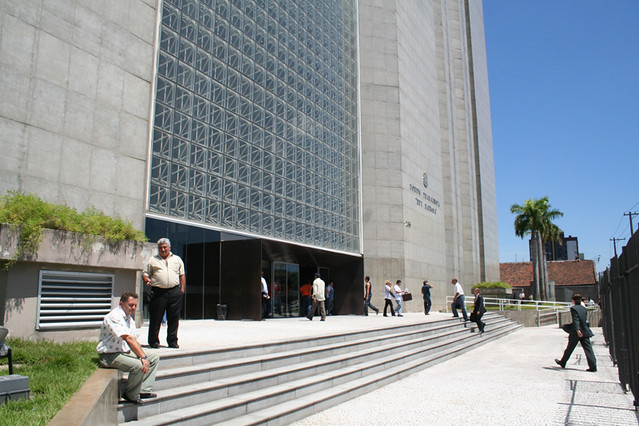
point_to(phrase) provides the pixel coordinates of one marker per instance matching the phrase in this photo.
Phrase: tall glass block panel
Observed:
(255, 124)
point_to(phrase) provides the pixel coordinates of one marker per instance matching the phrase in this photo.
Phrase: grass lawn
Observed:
(55, 371)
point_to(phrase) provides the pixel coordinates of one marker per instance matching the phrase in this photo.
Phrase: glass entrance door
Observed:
(285, 300)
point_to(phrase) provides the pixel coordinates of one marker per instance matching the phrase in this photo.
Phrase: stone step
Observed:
(237, 362)
(223, 399)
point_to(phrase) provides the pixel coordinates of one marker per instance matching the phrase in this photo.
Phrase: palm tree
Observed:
(535, 218)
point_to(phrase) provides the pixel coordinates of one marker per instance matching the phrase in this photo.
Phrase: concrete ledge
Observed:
(94, 404)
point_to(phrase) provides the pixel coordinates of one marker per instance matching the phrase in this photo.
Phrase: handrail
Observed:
(502, 303)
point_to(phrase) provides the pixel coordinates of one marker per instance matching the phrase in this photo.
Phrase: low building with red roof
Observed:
(569, 276)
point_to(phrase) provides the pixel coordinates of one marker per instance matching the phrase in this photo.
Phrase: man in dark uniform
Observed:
(579, 332)
(478, 311)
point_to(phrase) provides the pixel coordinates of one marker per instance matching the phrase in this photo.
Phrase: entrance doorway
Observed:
(285, 300)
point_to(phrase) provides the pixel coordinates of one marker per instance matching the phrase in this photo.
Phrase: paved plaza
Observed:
(513, 380)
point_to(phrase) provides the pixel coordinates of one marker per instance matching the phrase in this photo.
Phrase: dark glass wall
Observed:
(224, 268)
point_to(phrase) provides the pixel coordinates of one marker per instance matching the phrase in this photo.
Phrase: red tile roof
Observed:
(563, 272)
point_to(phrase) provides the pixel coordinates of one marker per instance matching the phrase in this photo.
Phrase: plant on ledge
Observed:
(492, 285)
(30, 215)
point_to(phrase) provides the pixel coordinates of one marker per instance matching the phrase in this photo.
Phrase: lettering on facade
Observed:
(424, 200)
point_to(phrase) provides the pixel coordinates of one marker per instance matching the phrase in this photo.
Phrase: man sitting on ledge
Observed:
(118, 348)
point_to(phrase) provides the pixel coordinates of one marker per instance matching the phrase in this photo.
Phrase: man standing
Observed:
(368, 293)
(165, 274)
(478, 311)
(318, 298)
(426, 294)
(579, 332)
(118, 348)
(388, 297)
(459, 300)
(330, 296)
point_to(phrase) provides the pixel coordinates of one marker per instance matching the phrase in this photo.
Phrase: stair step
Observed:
(239, 396)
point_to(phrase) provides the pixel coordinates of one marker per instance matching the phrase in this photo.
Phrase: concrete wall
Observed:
(75, 101)
(63, 251)
(428, 191)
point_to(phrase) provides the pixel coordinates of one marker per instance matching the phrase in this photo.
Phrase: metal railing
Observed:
(516, 305)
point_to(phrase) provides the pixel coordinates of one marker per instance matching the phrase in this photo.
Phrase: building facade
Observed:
(292, 136)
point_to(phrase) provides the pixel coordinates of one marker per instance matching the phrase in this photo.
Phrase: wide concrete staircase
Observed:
(279, 383)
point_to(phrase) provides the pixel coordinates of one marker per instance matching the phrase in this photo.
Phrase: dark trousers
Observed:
(389, 303)
(427, 305)
(477, 318)
(573, 339)
(169, 300)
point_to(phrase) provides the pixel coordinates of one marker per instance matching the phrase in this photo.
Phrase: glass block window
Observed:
(256, 125)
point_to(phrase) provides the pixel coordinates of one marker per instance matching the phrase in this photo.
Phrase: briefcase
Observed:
(407, 296)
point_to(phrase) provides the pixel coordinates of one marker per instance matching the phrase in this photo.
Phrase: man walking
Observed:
(397, 290)
(118, 348)
(579, 332)
(165, 274)
(368, 293)
(478, 311)
(459, 300)
(318, 298)
(426, 294)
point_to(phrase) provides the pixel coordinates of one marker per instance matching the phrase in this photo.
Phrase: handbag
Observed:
(407, 296)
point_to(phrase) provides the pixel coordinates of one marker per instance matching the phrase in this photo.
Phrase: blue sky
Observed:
(564, 88)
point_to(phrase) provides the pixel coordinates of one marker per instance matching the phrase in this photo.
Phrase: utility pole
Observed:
(630, 215)
(614, 241)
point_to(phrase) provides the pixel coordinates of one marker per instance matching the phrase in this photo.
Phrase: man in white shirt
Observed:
(265, 296)
(397, 290)
(118, 348)
(459, 300)
(319, 298)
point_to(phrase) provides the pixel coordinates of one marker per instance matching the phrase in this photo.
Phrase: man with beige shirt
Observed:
(165, 274)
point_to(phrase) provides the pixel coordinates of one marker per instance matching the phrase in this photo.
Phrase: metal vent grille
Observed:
(73, 299)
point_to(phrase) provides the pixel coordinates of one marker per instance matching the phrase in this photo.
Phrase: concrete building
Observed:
(346, 137)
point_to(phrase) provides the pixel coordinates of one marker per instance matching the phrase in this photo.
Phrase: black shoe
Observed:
(400, 315)
(377, 312)
(133, 401)
(559, 363)
(148, 395)
(309, 318)
(154, 345)
(175, 346)
(592, 370)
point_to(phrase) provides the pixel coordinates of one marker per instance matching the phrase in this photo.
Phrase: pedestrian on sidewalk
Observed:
(368, 293)
(319, 298)
(388, 297)
(397, 291)
(426, 294)
(579, 332)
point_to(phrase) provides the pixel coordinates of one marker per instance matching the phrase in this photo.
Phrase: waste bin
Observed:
(221, 311)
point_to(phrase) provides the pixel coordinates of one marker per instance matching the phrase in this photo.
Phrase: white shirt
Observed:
(458, 289)
(264, 286)
(387, 292)
(398, 292)
(115, 325)
(319, 290)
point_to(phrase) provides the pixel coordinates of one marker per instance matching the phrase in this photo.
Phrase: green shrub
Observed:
(55, 371)
(30, 215)
(492, 285)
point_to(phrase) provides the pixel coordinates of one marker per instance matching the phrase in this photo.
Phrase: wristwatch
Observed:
(144, 357)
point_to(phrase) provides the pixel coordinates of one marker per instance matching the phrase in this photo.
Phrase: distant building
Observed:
(567, 248)
(569, 277)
